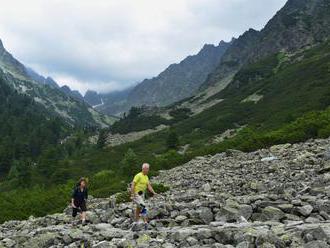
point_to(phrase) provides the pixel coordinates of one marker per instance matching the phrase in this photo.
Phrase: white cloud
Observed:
(111, 44)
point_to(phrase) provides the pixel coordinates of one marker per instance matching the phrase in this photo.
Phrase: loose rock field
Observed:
(277, 197)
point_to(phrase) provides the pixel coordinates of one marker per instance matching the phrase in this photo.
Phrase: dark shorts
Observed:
(80, 207)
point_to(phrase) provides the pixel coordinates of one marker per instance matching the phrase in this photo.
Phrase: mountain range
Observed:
(251, 75)
(58, 101)
(178, 81)
(298, 25)
(175, 83)
(195, 83)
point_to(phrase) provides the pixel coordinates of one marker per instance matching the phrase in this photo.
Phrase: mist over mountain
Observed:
(175, 83)
(299, 24)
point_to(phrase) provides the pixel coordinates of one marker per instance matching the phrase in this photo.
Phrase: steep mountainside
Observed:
(275, 197)
(9, 64)
(265, 95)
(115, 103)
(178, 81)
(74, 93)
(299, 24)
(93, 98)
(25, 128)
(46, 92)
(41, 79)
(262, 95)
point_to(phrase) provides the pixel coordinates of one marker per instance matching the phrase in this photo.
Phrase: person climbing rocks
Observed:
(139, 186)
(79, 198)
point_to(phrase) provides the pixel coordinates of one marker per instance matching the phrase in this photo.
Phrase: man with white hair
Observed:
(139, 186)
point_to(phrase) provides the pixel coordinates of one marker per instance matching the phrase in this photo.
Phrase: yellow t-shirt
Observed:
(141, 182)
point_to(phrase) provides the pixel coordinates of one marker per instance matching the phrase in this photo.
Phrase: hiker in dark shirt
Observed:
(78, 201)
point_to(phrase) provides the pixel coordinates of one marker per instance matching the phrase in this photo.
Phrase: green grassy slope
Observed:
(290, 86)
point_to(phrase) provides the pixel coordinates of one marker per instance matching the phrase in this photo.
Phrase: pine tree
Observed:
(130, 163)
(172, 140)
(102, 139)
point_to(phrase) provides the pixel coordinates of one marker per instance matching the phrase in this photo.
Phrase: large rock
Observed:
(42, 240)
(181, 234)
(206, 215)
(8, 242)
(305, 210)
(233, 212)
(227, 214)
(102, 244)
(271, 213)
(316, 244)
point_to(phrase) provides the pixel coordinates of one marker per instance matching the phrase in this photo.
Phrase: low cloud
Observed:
(108, 45)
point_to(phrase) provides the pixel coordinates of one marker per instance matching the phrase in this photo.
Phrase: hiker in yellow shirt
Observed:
(139, 186)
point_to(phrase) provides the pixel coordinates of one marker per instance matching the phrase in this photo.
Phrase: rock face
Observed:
(9, 64)
(93, 98)
(299, 24)
(45, 91)
(73, 93)
(41, 79)
(232, 199)
(178, 81)
(115, 103)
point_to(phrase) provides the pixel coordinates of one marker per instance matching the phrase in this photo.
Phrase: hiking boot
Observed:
(146, 226)
(76, 223)
(133, 228)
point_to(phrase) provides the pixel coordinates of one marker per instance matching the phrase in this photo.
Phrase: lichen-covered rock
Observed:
(271, 213)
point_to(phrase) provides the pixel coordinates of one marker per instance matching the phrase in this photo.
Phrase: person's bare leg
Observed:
(83, 217)
(137, 214)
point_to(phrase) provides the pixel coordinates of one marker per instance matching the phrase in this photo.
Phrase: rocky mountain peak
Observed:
(50, 81)
(299, 24)
(66, 89)
(299, 4)
(27, 81)
(208, 46)
(222, 42)
(92, 98)
(73, 93)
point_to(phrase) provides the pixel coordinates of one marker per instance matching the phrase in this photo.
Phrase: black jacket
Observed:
(79, 196)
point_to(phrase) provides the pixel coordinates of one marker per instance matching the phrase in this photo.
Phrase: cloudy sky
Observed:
(108, 45)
